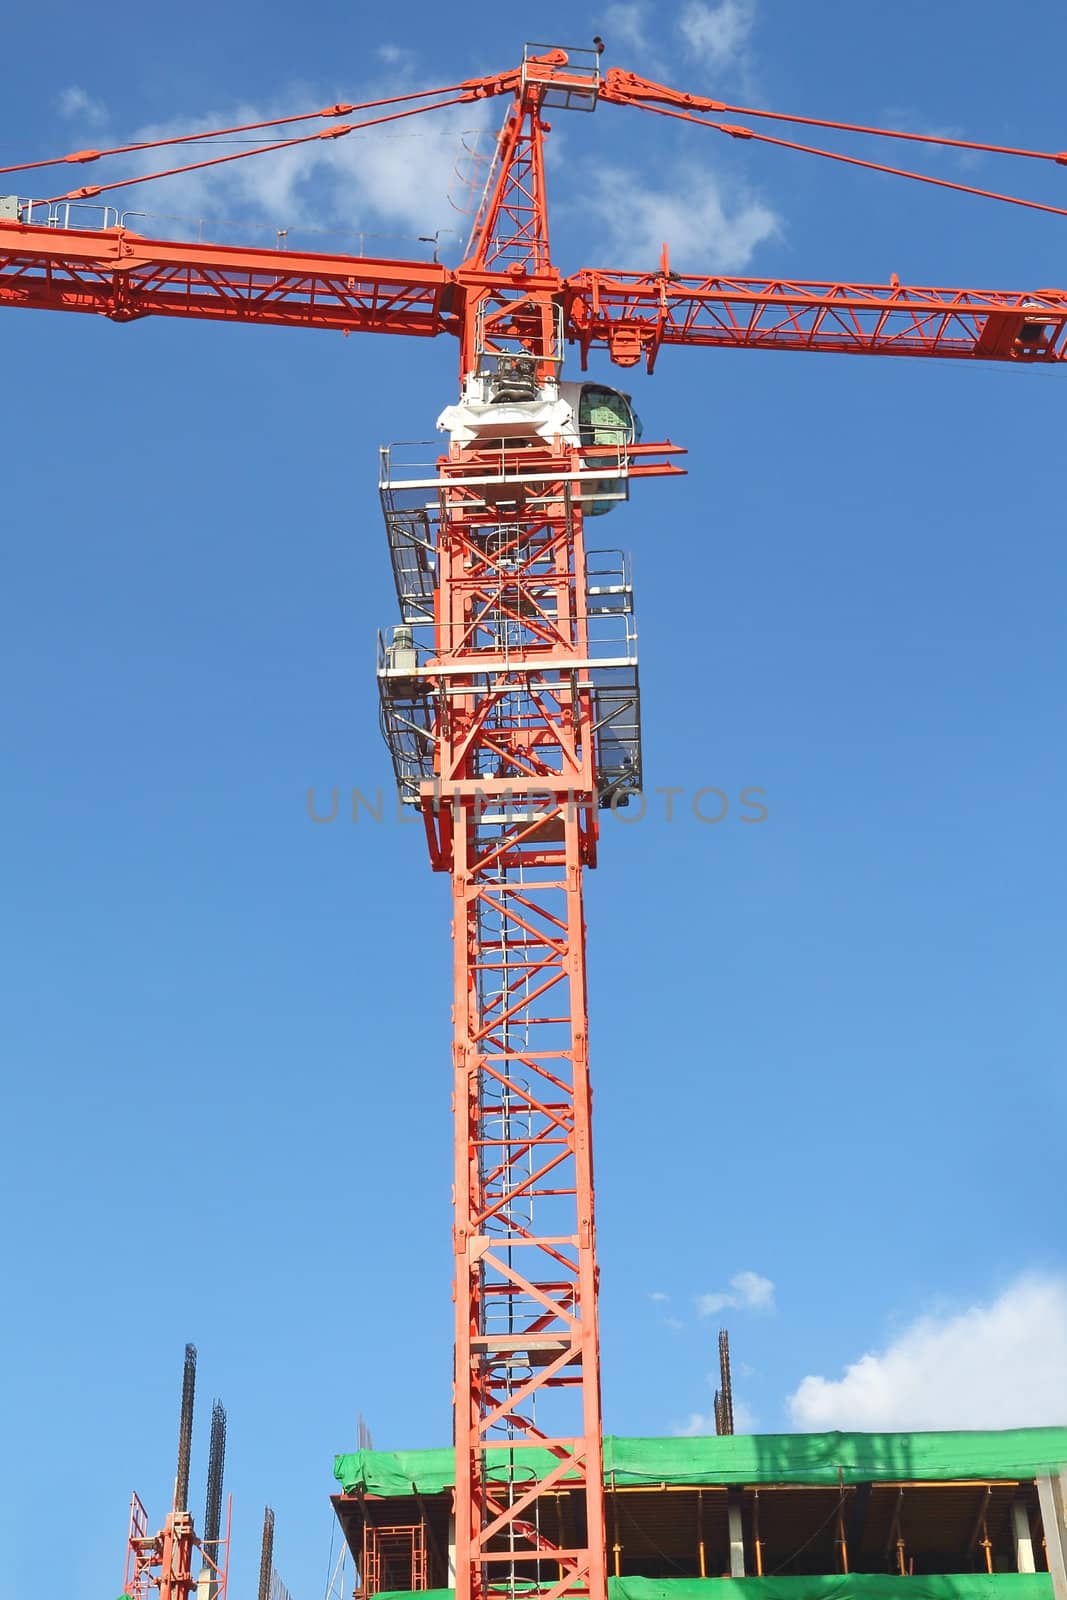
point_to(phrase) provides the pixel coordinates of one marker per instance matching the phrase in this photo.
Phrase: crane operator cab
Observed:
(507, 404)
(607, 417)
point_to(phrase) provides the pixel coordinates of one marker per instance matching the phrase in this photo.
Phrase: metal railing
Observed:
(84, 216)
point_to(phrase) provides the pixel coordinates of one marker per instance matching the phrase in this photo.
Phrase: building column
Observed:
(1052, 1498)
(737, 1538)
(1024, 1544)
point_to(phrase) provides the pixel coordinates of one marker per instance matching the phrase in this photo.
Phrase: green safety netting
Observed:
(745, 1458)
(858, 1586)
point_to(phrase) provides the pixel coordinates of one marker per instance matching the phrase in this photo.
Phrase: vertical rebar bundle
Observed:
(266, 1560)
(216, 1462)
(724, 1395)
(185, 1430)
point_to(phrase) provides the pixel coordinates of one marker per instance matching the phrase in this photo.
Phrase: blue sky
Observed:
(827, 1049)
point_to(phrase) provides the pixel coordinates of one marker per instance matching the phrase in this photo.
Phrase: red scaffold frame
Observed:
(160, 1564)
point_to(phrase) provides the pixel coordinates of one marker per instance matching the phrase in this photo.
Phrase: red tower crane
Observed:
(510, 701)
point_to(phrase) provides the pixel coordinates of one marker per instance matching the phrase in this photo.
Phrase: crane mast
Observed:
(510, 725)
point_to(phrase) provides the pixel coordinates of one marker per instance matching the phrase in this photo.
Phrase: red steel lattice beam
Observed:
(516, 763)
(117, 274)
(633, 315)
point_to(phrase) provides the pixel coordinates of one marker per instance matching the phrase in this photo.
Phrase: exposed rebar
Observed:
(216, 1461)
(724, 1395)
(266, 1560)
(185, 1430)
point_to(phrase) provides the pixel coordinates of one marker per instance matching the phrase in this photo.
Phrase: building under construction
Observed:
(962, 1516)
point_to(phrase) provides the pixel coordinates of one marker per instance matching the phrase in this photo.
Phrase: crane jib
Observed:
(119, 274)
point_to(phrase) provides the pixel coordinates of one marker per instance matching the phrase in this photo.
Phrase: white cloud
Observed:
(398, 181)
(659, 1299)
(390, 182)
(625, 23)
(698, 1424)
(915, 121)
(707, 227)
(79, 105)
(754, 1290)
(744, 1417)
(998, 1365)
(718, 33)
(748, 1291)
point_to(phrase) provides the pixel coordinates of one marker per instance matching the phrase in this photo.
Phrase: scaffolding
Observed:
(517, 618)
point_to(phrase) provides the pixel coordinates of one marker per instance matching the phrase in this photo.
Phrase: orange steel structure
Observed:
(161, 1564)
(515, 700)
(511, 721)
